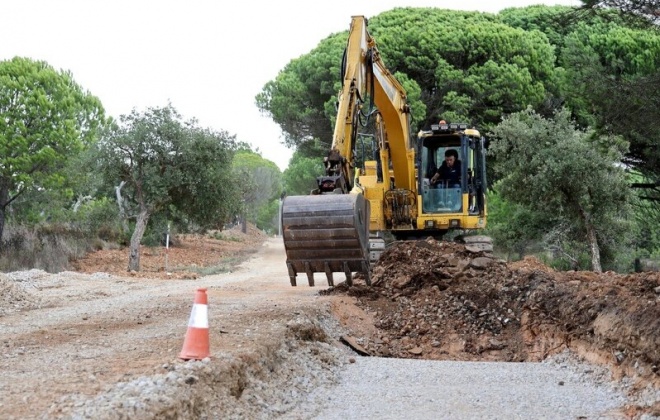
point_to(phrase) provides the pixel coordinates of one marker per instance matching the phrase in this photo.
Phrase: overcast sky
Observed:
(209, 58)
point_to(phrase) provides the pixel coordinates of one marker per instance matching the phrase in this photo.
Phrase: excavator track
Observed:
(326, 233)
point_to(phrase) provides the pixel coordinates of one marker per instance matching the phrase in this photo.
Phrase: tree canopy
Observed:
(300, 97)
(45, 118)
(162, 162)
(259, 184)
(575, 179)
(648, 10)
(550, 20)
(610, 77)
(300, 176)
(460, 66)
(470, 66)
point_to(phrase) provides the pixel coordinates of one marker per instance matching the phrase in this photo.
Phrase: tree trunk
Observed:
(136, 238)
(2, 224)
(595, 249)
(243, 224)
(4, 198)
(593, 241)
(80, 201)
(120, 204)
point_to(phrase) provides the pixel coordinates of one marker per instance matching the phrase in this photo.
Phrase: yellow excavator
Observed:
(379, 180)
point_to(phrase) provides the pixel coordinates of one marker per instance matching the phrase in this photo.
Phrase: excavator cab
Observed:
(457, 202)
(445, 195)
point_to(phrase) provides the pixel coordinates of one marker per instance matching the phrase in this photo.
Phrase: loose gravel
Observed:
(403, 388)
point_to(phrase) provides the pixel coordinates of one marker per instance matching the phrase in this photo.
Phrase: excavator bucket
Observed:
(325, 234)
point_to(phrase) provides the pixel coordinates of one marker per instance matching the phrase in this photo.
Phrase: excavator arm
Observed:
(365, 77)
(328, 231)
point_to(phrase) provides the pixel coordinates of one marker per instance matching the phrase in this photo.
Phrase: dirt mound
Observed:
(436, 300)
(14, 296)
(530, 263)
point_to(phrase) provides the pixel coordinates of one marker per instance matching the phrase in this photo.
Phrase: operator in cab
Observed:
(448, 175)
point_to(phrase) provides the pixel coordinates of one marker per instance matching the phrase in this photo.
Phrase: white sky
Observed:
(209, 58)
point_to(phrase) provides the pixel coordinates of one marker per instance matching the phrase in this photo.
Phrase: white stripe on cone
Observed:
(199, 316)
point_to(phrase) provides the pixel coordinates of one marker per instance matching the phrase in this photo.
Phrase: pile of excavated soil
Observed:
(438, 300)
(15, 297)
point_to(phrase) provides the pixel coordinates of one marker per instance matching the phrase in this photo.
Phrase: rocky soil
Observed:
(103, 343)
(440, 301)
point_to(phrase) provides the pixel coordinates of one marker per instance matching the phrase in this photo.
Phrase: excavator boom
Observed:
(390, 190)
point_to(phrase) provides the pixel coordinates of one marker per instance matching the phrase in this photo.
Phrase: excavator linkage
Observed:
(326, 233)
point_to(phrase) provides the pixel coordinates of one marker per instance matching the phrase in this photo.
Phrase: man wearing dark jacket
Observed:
(449, 173)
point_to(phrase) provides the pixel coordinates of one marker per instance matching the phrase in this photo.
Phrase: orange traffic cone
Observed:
(196, 343)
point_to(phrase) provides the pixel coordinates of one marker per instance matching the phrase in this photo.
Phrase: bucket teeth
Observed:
(326, 234)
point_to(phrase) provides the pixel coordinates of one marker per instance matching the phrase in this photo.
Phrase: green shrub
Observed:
(99, 218)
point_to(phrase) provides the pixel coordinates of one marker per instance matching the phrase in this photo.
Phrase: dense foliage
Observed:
(45, 119)
(631, 10)
(460, 66)
(569, 98)
(609, 51)
(565, 174)
(259, 188)
(160, 162)
(300, 176)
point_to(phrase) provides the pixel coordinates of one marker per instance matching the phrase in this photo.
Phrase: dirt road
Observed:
(100, 346)
(74, 337)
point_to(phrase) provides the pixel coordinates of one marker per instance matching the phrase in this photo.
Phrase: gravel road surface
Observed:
(377, 388)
